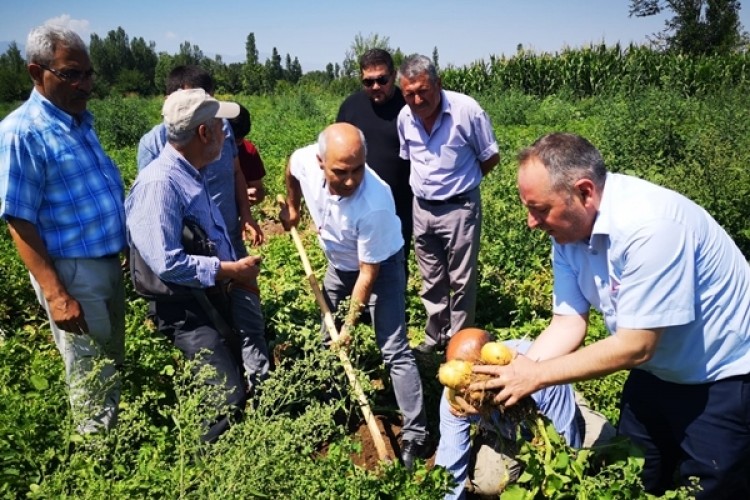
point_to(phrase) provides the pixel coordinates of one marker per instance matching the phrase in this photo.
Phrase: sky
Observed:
(319, 32)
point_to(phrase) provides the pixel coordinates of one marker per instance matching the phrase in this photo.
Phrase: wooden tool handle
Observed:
(330, 324)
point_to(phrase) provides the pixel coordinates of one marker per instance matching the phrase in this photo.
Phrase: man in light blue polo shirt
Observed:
(359, 231)
(448, 139)
(673, 289)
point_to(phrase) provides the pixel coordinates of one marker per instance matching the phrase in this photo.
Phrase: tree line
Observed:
(125, 66)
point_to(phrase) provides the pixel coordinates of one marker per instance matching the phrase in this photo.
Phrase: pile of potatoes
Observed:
(466, 348)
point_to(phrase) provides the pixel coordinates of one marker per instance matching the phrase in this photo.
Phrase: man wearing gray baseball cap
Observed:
(181, 255)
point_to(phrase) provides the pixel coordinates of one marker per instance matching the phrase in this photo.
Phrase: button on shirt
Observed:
(55, 174)
(658, 260)
(362, 227)
(445, 162)
(163, 196)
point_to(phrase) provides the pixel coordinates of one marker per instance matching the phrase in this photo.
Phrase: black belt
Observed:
(453, 200)
(110, 256)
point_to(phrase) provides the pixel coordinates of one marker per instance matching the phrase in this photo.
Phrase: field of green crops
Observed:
(291, 444)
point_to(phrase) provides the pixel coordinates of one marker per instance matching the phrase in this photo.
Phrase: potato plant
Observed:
(294, 442)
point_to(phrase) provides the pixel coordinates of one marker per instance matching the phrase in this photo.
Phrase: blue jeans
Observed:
(698, 430)
(387, 308)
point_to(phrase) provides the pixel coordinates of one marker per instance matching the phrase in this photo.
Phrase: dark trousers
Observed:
(685, 430)
(188, 326)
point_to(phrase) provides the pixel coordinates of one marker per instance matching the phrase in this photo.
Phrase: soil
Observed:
(390, 428)
(271, 227)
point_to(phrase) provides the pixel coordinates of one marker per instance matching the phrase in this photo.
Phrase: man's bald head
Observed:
(344, 138)
(341, 154)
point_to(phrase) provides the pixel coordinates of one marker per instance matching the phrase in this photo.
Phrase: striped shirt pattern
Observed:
(163, 196)
(55, 174)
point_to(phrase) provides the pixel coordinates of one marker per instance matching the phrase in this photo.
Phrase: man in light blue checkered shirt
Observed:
(62, 198)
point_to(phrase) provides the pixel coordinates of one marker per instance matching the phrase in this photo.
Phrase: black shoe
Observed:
(413, 449)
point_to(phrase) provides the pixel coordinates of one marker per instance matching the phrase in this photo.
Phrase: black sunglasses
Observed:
(72, 76)
(381, 80)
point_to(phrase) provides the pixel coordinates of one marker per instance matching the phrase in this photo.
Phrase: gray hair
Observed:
(416, 65)
(180, 137)
(44, 40)
(323, 143)
(568, 159)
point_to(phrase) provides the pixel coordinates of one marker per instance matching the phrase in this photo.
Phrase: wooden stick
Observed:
(330, 324)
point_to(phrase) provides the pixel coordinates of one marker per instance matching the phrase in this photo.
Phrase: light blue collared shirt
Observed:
(658, 260)
(446, 162)
(55, 174)
(163, 196)
(219, 176)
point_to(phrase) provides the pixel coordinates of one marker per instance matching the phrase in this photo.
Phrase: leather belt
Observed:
(453, 200)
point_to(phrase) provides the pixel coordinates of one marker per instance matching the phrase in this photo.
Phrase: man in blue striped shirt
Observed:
(62, 198)
(171, 190)
(226, 185)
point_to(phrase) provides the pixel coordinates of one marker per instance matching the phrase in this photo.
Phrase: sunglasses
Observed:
(72, 76)
(381, 80)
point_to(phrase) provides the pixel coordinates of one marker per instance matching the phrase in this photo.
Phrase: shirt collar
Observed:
(181, 163)
(603, 222)
(67, 120)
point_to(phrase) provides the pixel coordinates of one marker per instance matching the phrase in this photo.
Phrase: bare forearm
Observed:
(240, 193)
(290, 212)
(64, 309)
(362, 290)
(34, 255)
(563, 335)
(624, 350)
(245, 270)
(487, 165)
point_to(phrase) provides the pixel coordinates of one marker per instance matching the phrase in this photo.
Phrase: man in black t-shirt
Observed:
(374, 110)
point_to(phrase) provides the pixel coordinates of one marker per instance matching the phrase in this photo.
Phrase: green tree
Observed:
(295, 71)
(189, 55)
(288, 67)
(359, 46)
(144, 62)
(110, 55)
(274, 70)
(398, 57)
(14, 78)
(123, 65)
(329, 72)
(697, 26)
(253, 71)
(435, 57)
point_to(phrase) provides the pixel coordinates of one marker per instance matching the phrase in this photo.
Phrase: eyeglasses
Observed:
(72, 76)
(381, 80)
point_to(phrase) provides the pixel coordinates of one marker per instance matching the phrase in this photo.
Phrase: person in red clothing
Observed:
(250, 161)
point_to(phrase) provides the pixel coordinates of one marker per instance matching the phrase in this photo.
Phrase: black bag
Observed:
(147, 284)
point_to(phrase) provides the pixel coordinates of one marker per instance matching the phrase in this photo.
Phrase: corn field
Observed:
(599, 70)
